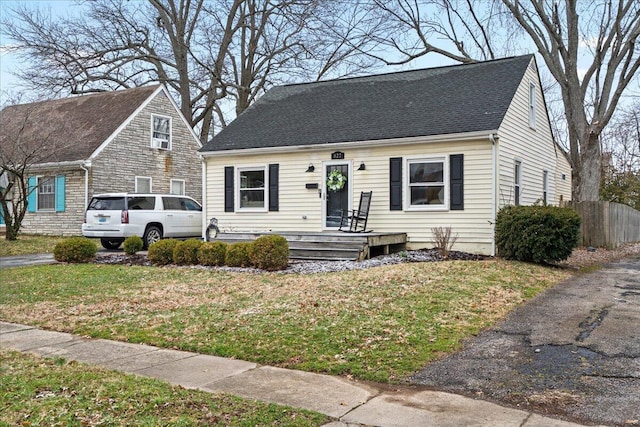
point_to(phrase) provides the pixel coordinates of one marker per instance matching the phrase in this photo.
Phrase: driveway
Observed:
(574, 351)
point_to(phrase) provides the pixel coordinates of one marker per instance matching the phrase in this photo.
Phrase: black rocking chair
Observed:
(356, 221)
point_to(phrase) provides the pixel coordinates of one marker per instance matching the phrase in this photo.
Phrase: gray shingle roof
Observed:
(69, 129)
(433, 101)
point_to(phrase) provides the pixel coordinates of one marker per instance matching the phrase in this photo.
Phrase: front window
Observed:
(143, 184)
(517, 181)
(251, 188)
(161, 132)
(545, 186)
(532, 105)
(426, 183)
(46, 193)
(177, 187)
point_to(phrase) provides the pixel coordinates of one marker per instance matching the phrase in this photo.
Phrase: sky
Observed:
(8, 61)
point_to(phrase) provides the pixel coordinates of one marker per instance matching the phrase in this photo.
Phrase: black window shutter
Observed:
(228, 188)
(456, 182)
(395, 183)
(273, 187)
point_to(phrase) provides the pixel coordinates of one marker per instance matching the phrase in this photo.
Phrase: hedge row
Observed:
(269, 253)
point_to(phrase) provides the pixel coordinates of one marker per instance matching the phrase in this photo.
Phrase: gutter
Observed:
(493, 137)
(452, 137)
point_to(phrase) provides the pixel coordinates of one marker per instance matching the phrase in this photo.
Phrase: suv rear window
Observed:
(137, 203)
(107, 204)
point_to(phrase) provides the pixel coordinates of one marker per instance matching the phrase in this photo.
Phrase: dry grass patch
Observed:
(378, 324)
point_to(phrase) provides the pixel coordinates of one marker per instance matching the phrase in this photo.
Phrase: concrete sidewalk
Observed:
(350, 403)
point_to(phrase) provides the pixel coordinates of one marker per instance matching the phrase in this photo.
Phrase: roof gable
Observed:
(434, 101)
(70, 129)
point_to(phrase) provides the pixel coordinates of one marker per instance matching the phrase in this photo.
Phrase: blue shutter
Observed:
(32, 197)
(60, 190)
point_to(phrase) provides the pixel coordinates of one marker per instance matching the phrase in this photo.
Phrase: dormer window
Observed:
(161, 132)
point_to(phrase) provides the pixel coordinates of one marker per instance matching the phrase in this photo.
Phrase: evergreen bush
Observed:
(270, 252)
(161, 252)
(186, 252)
(212, 253)
(238, 255)
(132, 244)
(540, 234)
(75, 249)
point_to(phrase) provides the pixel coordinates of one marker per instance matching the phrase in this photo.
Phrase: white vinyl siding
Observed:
(534, 147)
(300, 208)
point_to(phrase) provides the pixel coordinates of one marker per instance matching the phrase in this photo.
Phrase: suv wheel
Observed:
(151, 235)
(111, 243)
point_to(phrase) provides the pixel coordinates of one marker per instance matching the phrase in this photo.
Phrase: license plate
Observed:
(102, 219)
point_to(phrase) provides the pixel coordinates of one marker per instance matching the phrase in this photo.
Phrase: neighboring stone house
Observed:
(438, 147)
(133, 140)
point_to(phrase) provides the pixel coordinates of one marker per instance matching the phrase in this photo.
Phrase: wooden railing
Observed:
(607, 224)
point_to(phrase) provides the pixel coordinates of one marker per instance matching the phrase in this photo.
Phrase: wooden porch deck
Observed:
(334, 246)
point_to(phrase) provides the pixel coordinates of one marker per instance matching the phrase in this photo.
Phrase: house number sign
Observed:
(338, 155)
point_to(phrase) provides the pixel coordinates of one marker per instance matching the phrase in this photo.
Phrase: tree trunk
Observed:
(587, 173)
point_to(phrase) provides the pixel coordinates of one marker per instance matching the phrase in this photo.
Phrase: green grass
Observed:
(381, 324)
(46, 392)
(29, 244)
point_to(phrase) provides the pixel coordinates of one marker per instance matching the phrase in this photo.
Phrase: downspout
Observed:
(204, 196)
(494, 189)
(85, 167)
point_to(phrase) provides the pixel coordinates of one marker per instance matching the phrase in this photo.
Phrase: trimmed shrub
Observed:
(540, 234)
(75, 249)
(212, 253)
(161, 252)
(186, 252)
(238, 254)
(270, 252)
(132, 244)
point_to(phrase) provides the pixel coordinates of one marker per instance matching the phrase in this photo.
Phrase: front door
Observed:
(336, 192)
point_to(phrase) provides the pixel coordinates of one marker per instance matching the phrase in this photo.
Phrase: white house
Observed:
(438, 147)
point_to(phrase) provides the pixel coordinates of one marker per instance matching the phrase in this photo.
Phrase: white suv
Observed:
(115, 216)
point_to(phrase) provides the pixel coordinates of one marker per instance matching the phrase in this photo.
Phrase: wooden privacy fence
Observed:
(607, 224)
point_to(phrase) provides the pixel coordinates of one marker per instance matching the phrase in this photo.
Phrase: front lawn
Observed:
(380, 324)
(52, 392)
(29, 244)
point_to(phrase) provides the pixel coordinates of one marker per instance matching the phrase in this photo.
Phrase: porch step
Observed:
(335, 246)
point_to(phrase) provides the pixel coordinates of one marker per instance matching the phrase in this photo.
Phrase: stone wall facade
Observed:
(115, 168)
(67, 223)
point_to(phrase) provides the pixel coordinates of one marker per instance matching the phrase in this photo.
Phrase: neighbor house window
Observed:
(532, 105)
(46, 193)
(177, 187)
(545, 186)
(517, 181)
(251, 188)
(426, 183)
(161, 132)
(143, 184)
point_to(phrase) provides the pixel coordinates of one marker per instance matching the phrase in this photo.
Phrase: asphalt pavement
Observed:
(574, 352)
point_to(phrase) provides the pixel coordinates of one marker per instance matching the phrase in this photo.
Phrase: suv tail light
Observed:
(124, 217)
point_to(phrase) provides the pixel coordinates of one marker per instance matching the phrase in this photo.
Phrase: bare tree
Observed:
(591, 85)
(211, 53)
(19, 153)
